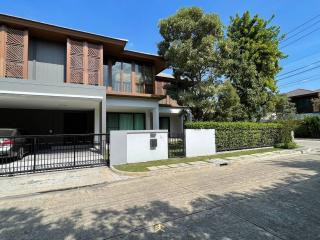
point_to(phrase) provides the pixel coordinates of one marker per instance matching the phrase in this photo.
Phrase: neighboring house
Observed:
(303, 100)
(58, 80)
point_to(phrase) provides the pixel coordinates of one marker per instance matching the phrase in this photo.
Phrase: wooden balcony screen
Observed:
(84, 63)
(161, 90)
(13, 53)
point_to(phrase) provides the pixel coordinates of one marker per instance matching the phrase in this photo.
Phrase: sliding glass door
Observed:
(126, 121)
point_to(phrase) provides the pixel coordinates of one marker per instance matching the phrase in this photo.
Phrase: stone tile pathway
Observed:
(225, 161)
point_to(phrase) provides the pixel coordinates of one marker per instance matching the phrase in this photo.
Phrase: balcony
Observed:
(130, 79)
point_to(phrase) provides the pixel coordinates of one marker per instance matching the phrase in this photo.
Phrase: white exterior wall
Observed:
(200, 142)
(134, 146)
(118, 147)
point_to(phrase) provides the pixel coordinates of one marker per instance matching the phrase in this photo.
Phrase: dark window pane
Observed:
(112, 121)
(139, 78)
(164, 123)
(139, 121)
(126, 121)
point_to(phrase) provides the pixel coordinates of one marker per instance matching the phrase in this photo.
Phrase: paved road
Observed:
(253, 199)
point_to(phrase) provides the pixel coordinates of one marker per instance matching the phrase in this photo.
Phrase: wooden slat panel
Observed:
(85, 63)
(95, 64)
(2, 50)
(68, 62)
(16, 53)
(101, 65)
(75, 62)
(25, 54)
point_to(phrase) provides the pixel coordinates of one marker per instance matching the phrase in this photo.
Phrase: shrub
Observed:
(309, 127)
(288, 145)
(241, 135)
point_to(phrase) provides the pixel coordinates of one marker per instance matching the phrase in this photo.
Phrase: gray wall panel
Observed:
(47, 61)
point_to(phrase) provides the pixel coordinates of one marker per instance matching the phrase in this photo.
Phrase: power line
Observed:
(301, 31)
(303, 36)
(298, 73)
(309, 65)
(301, 25)
(300, 59)
(297, 82)
(317, 76)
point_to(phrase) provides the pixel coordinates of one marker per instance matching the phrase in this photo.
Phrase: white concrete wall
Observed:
(200, 142)
(134, 146)
(118, 147)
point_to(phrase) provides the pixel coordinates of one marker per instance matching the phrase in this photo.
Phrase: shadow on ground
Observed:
(287, 210)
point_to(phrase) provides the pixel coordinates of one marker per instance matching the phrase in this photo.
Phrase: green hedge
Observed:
(242, 135)
(308, 128)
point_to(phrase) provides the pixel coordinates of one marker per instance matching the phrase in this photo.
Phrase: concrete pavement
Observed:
(263, 199)
(56, 181)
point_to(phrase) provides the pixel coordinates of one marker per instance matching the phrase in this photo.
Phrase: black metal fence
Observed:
(27, 154)
(176, 146)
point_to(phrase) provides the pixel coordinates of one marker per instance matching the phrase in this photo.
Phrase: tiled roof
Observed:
(299, 92)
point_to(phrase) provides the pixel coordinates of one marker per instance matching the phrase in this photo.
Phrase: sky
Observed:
(137, 21)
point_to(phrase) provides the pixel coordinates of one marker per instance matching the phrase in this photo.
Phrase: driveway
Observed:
(260, 199)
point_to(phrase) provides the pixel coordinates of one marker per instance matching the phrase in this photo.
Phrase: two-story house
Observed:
(59, 80)
(303, 100)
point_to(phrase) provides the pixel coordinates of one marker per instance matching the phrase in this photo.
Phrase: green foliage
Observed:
(228, 105)
(309, 127)
(240, 135)
(251, 58)
(316, 104)
(284, 109)
(288, 145)
(190, 40)
(196, 49)
(202, 100)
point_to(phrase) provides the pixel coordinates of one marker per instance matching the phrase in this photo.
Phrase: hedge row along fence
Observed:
(244, 135)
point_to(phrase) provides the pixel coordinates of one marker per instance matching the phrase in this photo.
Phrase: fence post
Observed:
(74, 150)
(34, 153)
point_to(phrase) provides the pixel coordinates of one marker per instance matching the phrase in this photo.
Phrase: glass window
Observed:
(112, 121)
(126, 121)
(126, 71)
(116, 72)
(139, 78)
(139, 121)
(106, 75)
(148, 76)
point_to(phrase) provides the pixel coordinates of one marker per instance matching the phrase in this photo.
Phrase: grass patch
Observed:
(142, 167)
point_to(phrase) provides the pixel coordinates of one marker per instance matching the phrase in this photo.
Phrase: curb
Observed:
(130, 174)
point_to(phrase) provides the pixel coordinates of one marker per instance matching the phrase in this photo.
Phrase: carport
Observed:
(44, 109)
(48, 112)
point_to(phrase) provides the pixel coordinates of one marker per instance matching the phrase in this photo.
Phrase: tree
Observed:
(189, 46)
(316, 104)
(251, 58)
(284, 109)
(228, 105)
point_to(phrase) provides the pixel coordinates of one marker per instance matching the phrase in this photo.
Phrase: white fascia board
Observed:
(170, 110)
(51, 94)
